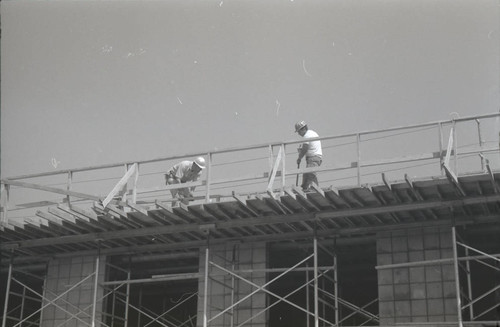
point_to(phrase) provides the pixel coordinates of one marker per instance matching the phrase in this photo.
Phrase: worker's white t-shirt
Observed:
(183, 171)
(314, 146)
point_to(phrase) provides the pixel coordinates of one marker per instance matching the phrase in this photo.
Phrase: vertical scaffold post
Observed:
(7, 292)
(205, 287)
(127, 297)
(283, 171)
(23, 302)
(134, 184)
(68, 187)
(96, 284)
(44, 290)
(140, 311)
(358, 166)
(209, 173)
(480, 142)
(316, 300)
(457, 279)
(455, 147)
(335, 280)
(271, 158)
(307, 295)
(469, 282)
(440, 139)
(233, 284)
(5, 203)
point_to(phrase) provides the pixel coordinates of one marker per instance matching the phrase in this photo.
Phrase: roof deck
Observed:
(433, 174)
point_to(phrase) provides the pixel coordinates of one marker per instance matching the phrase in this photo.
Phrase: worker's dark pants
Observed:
(309, 178)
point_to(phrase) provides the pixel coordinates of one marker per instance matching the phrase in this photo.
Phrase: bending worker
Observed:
(183, 172)
(312, 151)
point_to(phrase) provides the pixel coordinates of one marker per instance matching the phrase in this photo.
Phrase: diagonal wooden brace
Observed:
(274, 171)
(123, 181)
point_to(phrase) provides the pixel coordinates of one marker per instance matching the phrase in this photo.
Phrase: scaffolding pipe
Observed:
(5, 218)
(307, 295)
(457, 277)
(94, 300)
(233, 283)
(52, 301)
(127, 300)
(209, 174)
(113, 305)
(480, 142)
(455, 147)
(306, 285)
(259, 287)
(323, 306)
(44, 291)
(23, 298)
(205, 291)
(316, 314)
(469, 282)
(283, 171)
(436, 261)
(336, 289)
(441, 159)
(72, 315)
(139, 308)
(358, 165)
(7, 291)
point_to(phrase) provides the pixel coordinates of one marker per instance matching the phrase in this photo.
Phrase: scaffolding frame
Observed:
(466, 301)
(46, 301)
(319, 273)
(461, 264)
(330, 300)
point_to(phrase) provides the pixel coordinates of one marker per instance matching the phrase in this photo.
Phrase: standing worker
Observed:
(312, 151)
(183, 172)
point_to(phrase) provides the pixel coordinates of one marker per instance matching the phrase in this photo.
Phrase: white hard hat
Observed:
(299, 125)
(200, 162)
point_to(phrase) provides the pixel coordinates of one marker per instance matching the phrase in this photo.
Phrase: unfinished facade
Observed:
(255, 250)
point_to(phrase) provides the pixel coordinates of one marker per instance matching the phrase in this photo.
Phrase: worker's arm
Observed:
(302, 152)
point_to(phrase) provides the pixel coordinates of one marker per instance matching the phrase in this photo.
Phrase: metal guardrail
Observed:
(268, 172)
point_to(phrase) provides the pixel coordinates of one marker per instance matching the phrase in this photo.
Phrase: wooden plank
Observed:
(59, 222)
(63, 215)
(274, 170)
(164, 206)
(121, 183)
(302, 197)
(243, 203)
(492, 178)
(137, 208)
(318, 189)
(84, 219)
(453, 179)
(264, 220)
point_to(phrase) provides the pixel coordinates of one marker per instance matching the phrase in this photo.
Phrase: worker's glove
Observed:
(298, 161)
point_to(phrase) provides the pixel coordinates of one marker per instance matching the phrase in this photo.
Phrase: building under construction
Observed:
(403, 230)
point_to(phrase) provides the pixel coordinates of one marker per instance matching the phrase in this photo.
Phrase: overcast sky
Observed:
(96, 82)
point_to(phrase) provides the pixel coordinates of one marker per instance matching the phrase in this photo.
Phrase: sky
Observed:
(87, 83)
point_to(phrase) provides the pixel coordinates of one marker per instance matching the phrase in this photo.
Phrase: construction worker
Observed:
(183, 172)
(312, 151)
